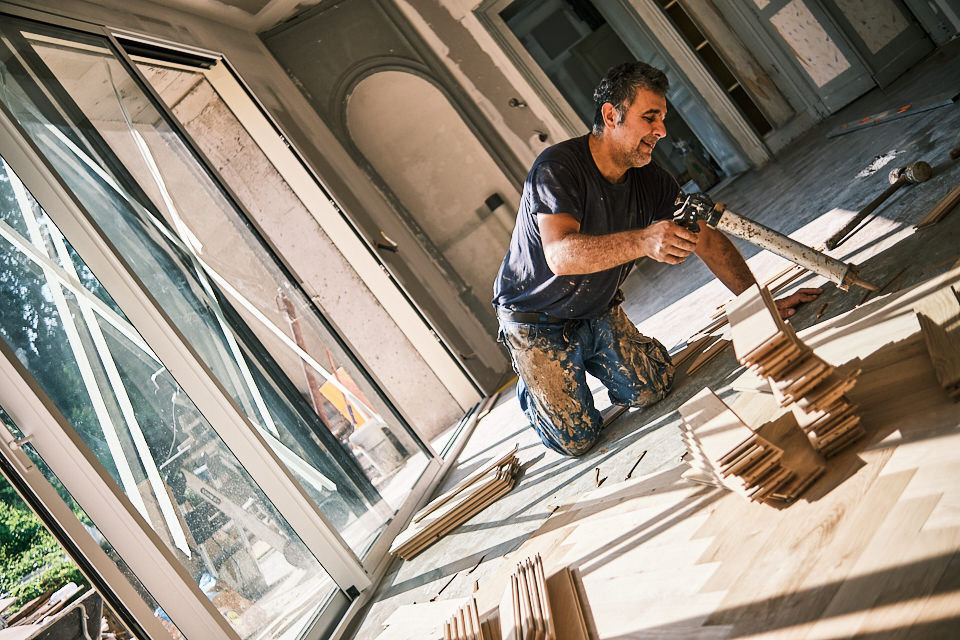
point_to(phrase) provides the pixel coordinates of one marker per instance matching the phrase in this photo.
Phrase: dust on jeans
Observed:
(551, 380)
(646, 357)
(636, 370)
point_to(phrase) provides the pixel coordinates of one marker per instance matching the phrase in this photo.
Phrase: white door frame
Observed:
(99, 496)
(190, 372)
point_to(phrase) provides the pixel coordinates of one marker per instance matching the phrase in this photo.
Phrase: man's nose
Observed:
(659, 129)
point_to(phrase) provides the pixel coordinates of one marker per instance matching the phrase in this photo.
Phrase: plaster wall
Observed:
(328, 51)
(430, 158)
(410, 380)
(333, 283)
(489, 76)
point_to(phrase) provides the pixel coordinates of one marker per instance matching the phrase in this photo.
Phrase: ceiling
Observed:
(249, 15)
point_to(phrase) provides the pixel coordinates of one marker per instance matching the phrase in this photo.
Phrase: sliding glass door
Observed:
(176, 352)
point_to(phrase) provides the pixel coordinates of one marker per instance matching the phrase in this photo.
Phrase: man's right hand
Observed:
(666, 241)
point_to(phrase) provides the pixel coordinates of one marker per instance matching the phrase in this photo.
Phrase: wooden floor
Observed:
(870, 551)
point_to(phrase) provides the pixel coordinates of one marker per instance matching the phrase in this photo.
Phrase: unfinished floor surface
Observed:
(871, 548)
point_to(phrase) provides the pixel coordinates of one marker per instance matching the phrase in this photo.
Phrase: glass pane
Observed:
(32, 563)
(225, 292)
(147, 432)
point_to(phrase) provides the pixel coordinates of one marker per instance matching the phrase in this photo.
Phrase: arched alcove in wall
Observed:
(417, 142)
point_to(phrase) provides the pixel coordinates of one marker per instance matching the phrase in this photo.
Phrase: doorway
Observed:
(574, 45)
(840, 48)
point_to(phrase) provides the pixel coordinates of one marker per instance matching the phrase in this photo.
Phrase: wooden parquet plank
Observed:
(930, 479)
(933, 623)
(735, 548)
(840, 539)
(621, 612)
(939, 317)
(901, 600)
(752, 323)
(719, 519)
(565, 603)
(887, 550)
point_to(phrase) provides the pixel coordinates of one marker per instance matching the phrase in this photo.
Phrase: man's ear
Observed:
(610, 115)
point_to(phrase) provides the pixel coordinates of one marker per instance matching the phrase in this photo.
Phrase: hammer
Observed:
(913, 173)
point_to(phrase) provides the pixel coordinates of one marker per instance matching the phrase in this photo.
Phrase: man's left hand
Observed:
(788, 306)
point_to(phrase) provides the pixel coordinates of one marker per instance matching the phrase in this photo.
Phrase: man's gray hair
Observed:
(619, 87)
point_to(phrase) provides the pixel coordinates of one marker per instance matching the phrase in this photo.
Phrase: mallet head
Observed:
(914, 172)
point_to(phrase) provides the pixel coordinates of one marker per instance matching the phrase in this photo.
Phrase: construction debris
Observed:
(457, 506)
(635, 464)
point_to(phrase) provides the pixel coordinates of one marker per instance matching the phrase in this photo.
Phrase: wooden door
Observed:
(818, 48)
(884, 32)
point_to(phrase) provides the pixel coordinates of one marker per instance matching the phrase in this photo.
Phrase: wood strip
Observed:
(475, 612)
(709, 354)
(527, 626)
(783, 284)
(551, 631)
(691, 349)
(939, 317)
(452, 493)
(509, 616)
(941, 209)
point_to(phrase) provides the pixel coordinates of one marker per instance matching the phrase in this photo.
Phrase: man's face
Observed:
(640, 130)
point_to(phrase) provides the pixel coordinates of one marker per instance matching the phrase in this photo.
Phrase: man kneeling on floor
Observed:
(590, 207)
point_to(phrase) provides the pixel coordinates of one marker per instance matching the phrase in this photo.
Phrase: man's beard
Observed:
(637, 156)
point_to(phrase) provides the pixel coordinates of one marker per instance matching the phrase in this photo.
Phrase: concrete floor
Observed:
(808, 192)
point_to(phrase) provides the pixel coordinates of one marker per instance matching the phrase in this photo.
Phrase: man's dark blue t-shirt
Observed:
(565, 179)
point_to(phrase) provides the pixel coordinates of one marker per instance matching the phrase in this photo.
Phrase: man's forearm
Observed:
(578, 253)
(569, 252)
(724, 260)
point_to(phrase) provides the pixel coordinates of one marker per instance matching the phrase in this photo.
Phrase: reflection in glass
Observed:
(187, 243)
(60, 572)
(146, 431)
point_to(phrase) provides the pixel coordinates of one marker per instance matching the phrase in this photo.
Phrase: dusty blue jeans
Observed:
(552, 361)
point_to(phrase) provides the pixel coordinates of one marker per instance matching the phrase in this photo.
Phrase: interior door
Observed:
(821, 52)
(885, 34)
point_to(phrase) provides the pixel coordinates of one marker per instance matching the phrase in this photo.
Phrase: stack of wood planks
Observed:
(457, 505)
(814, 390)
(465, 624)
(939, 318)
(536, 607)
(706, 344)
(525, 610)
(726, 452)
